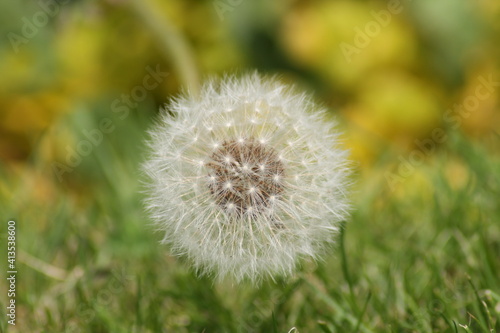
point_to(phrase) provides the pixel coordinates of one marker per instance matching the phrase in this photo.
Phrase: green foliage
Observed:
(422, 258)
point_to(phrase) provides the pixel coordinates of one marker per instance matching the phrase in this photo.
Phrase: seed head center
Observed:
(246, 176)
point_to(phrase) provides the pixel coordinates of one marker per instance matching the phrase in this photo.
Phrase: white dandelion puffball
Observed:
(246, 179)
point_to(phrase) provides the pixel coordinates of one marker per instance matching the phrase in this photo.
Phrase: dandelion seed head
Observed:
(252, 187)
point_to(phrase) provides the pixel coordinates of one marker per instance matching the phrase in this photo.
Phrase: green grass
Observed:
(421, 258)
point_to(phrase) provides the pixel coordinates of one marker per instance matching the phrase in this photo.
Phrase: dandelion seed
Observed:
(251, 196)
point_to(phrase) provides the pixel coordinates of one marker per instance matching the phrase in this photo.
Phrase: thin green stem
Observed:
(173, 44)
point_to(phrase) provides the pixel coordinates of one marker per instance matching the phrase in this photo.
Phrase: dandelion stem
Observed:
(173, 45)
(345, 267)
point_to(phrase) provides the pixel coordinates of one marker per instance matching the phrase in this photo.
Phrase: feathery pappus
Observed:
(246, 179)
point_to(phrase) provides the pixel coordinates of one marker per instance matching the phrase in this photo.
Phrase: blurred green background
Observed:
(415, 86)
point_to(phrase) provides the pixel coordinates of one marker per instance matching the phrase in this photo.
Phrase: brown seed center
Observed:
(245, 177)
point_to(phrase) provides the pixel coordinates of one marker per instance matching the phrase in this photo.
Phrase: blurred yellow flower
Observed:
(319, 36)
(483, 116)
